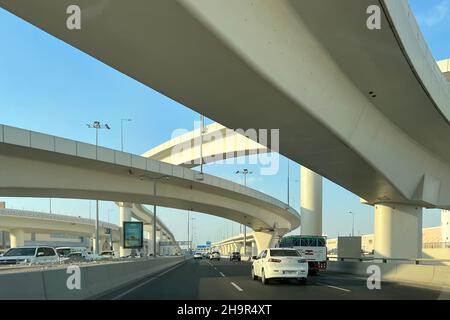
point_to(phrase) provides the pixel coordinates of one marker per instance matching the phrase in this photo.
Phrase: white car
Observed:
(280, 263)
(214, 256)
(107, 255)
(198, 255)
(29, 255)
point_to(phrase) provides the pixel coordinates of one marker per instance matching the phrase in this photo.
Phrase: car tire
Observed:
(264, 280)
(254, 276)
(302, 281)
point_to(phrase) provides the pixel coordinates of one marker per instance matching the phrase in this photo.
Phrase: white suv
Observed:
(29, 255)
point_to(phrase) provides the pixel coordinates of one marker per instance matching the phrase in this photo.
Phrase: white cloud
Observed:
(438, 14)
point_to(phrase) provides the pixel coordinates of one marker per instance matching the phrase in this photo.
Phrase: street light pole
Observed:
(96, 125)
(188, 238)
(245, 172)
(353, 223)
(288, 185)
(121, 132)
(154, 180)
(192, 226)
(202, 124)
(154, 221)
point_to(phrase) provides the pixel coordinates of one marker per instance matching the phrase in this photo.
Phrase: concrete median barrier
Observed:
(426, 275)
(94, 280)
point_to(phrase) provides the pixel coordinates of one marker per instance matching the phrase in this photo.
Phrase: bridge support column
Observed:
(265, 239)
(158, 240)
(116, 247)
(254, 249)
(125, 215)
(398, 231)
(17, 238)
(311, 202)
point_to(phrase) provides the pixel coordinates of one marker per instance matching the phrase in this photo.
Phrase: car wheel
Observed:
(302, 281)
(264, 281)
(254, 275)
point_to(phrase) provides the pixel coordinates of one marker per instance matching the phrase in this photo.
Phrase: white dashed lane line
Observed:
(224, 276)
(334, 287)
(237, 287)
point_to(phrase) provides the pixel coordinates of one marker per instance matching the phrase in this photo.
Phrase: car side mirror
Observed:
(255, 258)
(40, 254)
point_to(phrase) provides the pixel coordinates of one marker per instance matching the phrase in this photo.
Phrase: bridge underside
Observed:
(267, 75)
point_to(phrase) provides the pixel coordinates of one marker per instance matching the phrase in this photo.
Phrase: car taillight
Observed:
(274, 260)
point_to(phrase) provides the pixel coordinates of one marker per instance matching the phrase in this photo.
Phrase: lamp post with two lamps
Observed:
(97, 126)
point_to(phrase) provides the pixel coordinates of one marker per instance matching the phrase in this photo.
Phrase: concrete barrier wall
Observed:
(95, 280)
(432, 275)
(436, 253)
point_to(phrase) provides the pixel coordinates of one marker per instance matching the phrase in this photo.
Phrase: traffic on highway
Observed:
(224, 158)
(233, 280)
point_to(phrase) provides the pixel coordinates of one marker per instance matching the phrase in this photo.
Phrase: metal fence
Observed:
(436, 245)
(392, 260)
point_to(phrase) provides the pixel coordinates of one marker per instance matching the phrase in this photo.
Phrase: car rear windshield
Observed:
(284, 253)
(17, 252)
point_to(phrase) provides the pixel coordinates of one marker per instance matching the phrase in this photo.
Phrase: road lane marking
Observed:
(144, 283)
(222, 274)
(334, 287)
(237, 287)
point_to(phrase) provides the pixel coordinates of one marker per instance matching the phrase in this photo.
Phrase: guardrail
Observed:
(387, 260)
(436, 245)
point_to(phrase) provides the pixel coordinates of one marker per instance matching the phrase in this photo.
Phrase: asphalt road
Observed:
(225, 280)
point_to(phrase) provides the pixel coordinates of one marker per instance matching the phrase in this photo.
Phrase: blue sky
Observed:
(48, 86)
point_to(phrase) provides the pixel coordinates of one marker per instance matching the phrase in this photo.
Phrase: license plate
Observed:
(289, 272)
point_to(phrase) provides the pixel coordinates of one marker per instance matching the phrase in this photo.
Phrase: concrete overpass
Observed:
(18, 222)
(236, 244)
(218, 143)
(340, 101)
(222, 145)
(444, 65)
(41, 165)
